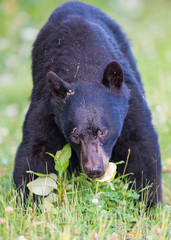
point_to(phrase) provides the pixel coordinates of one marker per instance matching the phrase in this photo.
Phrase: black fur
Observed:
(87, 91)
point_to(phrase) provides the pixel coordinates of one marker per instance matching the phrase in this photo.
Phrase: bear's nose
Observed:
(94, 172)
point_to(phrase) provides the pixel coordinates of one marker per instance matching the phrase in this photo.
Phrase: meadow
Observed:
(88, 210)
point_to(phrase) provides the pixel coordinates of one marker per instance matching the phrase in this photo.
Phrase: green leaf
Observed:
(65, 154)
(61, 159)
(43, 185)
(58, 153)
(121, 162)
(59, 169)
(38, 174)
(47, 204)
(54, 211)
(53, 176)
(52, 197)
(65, 165)
(50, 154)
(123, 176)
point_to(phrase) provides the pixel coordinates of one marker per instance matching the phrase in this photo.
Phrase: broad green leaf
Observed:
(109, 174)
(58, 153)
(53, 176)
(65, 165)
(65, 154)
(61, 158)
(42, 185)
(59, 169)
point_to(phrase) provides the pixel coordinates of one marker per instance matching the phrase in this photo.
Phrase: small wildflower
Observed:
(114, 236)
(76, 233)
(149, 238)
(159, 231)
(2, 220)
(8, 209)
(96, 236)
(27, 235)
(95, 200)
(21, 238)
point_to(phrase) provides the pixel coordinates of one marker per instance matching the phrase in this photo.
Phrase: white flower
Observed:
(95, 200)
(8, 209)
(149, 238)
(21, 238)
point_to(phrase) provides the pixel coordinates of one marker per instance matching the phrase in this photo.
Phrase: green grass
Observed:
(147, 24)
(89, 210)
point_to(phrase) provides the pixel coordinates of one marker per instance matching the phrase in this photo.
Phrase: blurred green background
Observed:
(148, 26)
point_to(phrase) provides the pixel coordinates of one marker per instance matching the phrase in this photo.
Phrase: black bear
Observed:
(87, 91)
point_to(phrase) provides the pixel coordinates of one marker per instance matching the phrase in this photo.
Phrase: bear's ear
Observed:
(57, 86)
(113, 75)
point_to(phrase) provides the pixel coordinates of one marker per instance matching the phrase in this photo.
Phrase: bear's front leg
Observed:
(40, 135)
(144, 164)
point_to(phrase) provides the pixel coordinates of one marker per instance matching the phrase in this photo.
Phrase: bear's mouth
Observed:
(93, 159)
(94, 172)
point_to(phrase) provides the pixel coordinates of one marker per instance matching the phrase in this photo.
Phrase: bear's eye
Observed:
(102, 133)
(76, 139)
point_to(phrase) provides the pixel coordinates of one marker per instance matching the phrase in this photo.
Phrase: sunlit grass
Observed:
(79, 216)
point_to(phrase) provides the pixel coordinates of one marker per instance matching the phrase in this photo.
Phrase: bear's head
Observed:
(91, 115)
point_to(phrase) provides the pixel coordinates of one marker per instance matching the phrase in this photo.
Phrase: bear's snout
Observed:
(95, 171)
(93, 159)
